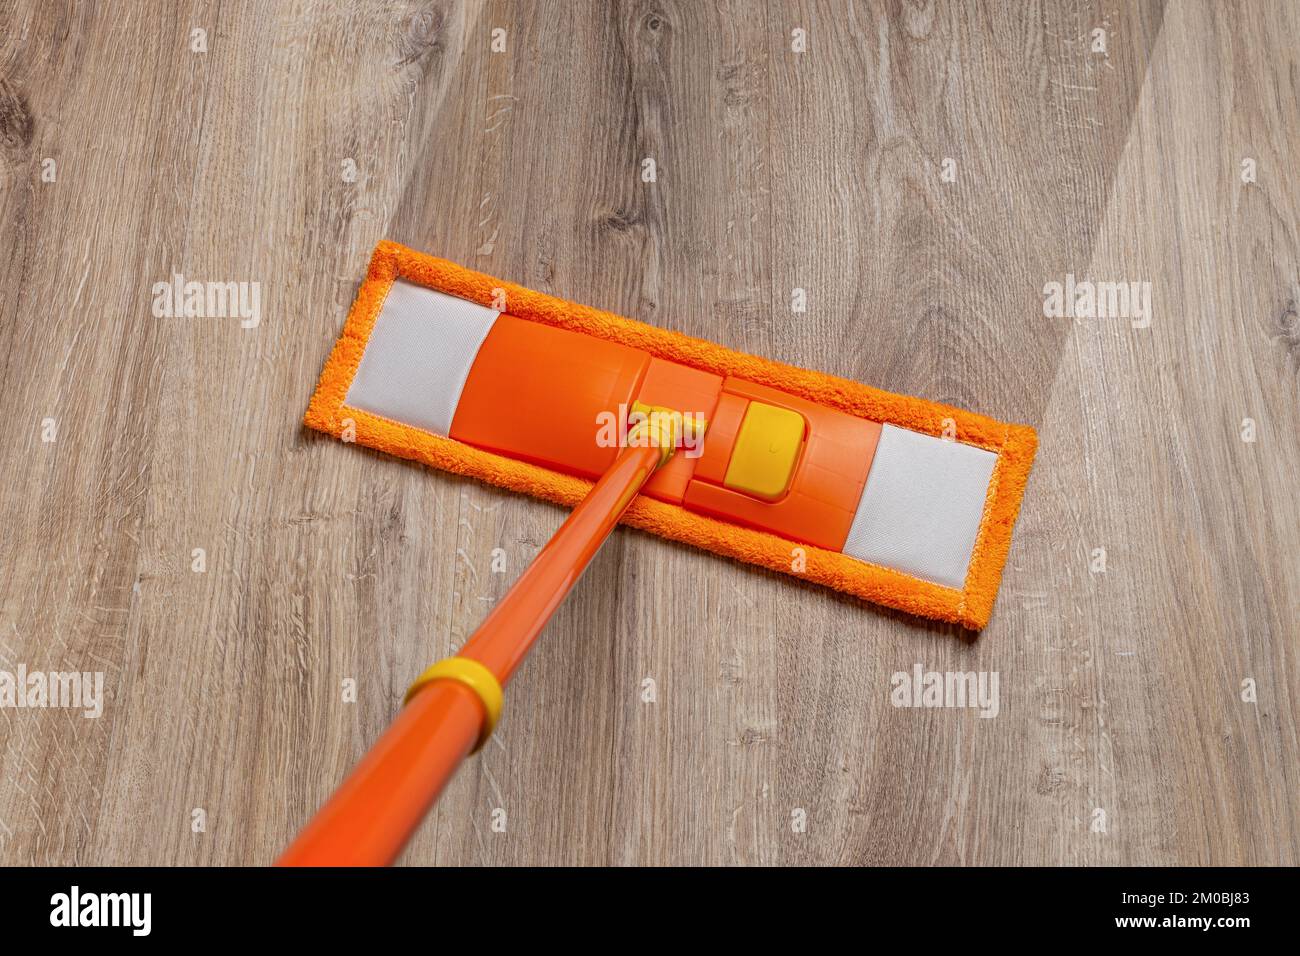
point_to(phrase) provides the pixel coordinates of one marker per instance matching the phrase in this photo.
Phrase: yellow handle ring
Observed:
(477, 678)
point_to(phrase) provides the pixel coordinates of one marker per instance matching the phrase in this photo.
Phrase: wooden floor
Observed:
(1122, 736)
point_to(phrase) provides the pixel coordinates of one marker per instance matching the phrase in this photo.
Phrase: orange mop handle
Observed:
(451, 709)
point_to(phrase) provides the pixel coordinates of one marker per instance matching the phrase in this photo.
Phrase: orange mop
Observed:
(898, 500)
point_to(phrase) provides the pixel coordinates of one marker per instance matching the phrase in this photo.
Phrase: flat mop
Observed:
(898, 500)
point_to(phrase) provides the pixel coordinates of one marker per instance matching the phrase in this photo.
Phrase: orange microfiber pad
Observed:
(897, 517)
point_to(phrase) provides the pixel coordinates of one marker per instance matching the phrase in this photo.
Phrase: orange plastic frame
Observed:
(1014, 445)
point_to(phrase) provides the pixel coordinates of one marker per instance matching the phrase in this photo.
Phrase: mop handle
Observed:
(451, 709)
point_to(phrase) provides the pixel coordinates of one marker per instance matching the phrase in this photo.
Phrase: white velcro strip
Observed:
(419, 355)
(920, 510)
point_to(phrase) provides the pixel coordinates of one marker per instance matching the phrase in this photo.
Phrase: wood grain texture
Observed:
(1119, 691)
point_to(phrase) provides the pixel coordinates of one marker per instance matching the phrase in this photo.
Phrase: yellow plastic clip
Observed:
(664, 428)
(477, 678)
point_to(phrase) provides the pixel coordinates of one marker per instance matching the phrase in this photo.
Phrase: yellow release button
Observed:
(767, 447)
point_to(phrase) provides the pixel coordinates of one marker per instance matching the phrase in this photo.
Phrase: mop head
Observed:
(898, 500)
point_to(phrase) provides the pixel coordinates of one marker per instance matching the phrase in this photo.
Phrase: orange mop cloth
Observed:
(965, 600)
